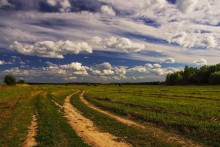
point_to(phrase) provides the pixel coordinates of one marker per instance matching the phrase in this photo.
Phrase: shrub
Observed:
(21, 81)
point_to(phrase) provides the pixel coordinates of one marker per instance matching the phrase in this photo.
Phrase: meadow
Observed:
(192, 112)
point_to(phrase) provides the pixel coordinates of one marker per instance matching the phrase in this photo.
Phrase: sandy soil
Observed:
(87, 130)
(157, 132)
(30, 140)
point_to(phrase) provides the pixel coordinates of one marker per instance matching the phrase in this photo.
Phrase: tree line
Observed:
(196, 76)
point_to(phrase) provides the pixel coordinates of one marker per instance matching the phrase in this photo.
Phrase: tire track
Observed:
(87, 130)
(30, 139)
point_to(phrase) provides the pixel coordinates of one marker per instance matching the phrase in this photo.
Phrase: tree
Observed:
(174, 79)
(21, 81)
(214, 78)
(10, 80)
(191, 75)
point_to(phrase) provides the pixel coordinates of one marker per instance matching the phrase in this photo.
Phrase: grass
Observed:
(134, 136)
(53, 129)
(15, 114)
(19, 103)
(191, 111)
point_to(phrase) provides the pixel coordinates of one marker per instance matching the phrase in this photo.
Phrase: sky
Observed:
(106, 40)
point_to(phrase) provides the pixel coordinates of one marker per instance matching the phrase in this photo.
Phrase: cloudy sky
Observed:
(106, 40)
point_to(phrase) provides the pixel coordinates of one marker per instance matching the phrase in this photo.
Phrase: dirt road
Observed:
(87, 130)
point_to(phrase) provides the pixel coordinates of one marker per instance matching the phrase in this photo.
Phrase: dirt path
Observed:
(86, 129)
(157, 132)
(30, 140)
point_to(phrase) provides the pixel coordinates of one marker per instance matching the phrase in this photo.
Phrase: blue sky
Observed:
(106, 40)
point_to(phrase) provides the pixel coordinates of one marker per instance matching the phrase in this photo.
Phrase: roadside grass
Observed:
(53, 129)
(16, 110)
(132, 135)
(191, 111)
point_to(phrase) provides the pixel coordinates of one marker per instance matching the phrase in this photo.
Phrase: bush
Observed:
(214, 78)
(21, 81)
(10, 80)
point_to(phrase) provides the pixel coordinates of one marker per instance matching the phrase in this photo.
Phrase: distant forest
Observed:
(196, 76)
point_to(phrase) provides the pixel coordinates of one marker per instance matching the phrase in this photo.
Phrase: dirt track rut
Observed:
(87, 130)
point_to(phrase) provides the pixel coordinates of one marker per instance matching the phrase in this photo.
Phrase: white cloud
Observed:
(120, 70)
(70, 78)
(96, 72)
(201, 61)
(50, 49)
(124, 44)
(75, 71)
(192, 39)
(139, 69)
(157, 65)
(52, 2)
(2, 62)
(148, 65)
(186, 6)
(105, 65)
(74, 68)
(158, 71)
(108, 72)
(105, 9)
(169, 60)
(64, 5)
(119, 43)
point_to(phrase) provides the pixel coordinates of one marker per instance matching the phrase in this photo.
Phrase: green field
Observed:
(192, 112)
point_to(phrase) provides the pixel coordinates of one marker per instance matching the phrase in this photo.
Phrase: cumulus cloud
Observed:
(120, 43)
(105, 9)
(120, 70)
(74, 68)
(124, 44)
(150, 68)
(50, 49)
(142, 69)
(200, 61)
(103, 66)
(63, 5)
(76, 71)
(108, 72)
(157, 65)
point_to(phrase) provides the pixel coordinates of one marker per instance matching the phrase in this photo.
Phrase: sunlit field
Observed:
(190, 112)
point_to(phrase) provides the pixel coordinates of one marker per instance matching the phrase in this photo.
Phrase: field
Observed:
(110, 115)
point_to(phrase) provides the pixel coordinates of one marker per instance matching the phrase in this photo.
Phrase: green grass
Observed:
(17, 105)
(53, 129)
(134, 136)
(15, 115)
(192, 111)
